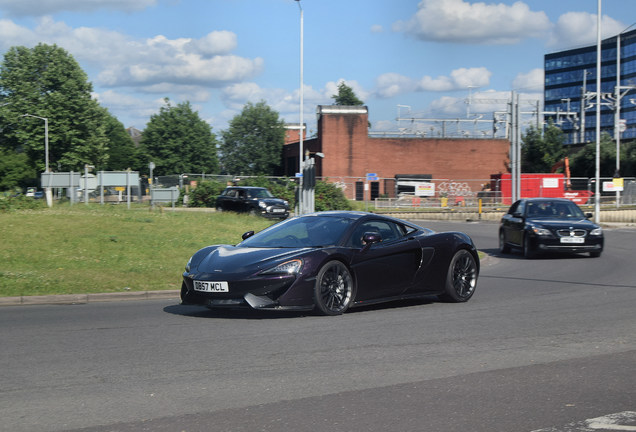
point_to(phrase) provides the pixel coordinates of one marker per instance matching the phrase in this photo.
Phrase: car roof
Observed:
(245, 187)
(547, 199)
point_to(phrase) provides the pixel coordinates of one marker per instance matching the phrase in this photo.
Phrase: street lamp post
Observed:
(47, 190)
(597, 191)
(300, 139)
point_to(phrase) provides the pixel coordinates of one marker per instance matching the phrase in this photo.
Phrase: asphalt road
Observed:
(544, 345)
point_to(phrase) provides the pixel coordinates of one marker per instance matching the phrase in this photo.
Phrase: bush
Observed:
(205, 193)
(327, 195)
(9, 201)
(330, 197)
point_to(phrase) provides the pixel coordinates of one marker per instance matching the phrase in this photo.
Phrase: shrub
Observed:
(205, 193)
(9, 201)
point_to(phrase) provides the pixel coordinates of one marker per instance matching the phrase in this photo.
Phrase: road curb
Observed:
(88, 298)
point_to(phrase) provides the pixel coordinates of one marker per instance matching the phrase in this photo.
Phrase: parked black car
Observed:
(330, 261)
(540, 225)
(253, 200)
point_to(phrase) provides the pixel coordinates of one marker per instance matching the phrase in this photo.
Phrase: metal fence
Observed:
(407, 193)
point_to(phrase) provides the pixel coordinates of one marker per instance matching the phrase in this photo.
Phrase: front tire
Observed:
(503, 246)
(334, 289)
(461, 278)
(528, 252)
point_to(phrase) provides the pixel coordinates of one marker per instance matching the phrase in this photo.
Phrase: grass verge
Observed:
(98, 249)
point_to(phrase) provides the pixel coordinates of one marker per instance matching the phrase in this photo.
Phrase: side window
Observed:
(522, 207)
(388, 230)
(513, 208)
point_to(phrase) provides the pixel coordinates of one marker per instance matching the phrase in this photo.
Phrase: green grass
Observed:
(98, 249)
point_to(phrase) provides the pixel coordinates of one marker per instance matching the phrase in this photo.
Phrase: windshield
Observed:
(307, 231)
(554, 210)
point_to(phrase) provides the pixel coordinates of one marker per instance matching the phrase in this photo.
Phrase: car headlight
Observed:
(261, 204)
(541, 231)
(188, 265)
(597, 231)
(288, 267)
(286, 203)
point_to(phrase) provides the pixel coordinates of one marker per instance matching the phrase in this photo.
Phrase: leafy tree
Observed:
(584, 162)
(346, 96)
(253, 143)
(628, 159)
(15, 170)
(178, 141)
(122, 151)
(539, 151)
(47, 82)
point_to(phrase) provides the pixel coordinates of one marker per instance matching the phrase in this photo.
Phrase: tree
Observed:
(540, 152)
(178, 141)
(584, 162)
(346, 96)
(47, 82)
(123, 153)
(15, 170)
(253, 143)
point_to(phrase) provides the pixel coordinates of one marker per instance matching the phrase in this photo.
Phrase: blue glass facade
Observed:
(570, 74)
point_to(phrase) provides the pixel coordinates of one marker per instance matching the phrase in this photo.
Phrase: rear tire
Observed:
(461, 278)
(334, 289)
(595, 254)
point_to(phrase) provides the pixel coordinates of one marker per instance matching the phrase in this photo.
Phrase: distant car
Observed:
(253, 200)
(38, 194)
(541, 225)
(330, 261)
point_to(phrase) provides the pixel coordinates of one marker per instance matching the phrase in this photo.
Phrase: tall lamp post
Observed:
(49, 196)
(597, 191)
(300, 139)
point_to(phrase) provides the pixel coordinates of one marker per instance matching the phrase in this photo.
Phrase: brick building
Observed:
(350, 154)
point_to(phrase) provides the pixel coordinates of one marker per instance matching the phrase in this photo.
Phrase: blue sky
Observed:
(428, 55)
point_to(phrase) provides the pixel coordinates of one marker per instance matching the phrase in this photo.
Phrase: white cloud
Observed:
(393, 84)
(377, 28)
(459, 21)
(531, 81)
(575, 29)
(125, 61)
(47, 7)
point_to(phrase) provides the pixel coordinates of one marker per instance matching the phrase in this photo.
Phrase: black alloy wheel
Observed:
(334, 290)
(461, 279)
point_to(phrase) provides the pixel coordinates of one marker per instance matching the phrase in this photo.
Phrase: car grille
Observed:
(571, 233)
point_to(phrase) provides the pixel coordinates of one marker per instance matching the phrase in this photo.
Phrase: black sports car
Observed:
(540, 225)
(331, 261)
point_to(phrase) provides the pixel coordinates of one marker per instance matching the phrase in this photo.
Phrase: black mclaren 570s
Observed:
(331, 261)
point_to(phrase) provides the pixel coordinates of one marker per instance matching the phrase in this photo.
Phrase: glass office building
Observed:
(570, 89)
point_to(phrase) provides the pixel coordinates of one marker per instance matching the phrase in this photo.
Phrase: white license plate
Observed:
(570, 240)
(278, 210)
(206, 286)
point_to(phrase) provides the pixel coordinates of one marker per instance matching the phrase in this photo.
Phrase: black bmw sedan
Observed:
(542, 225)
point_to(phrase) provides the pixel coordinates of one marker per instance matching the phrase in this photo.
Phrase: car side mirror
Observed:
(370, 238)
(589, 215)
(247, 235)
(517, 214)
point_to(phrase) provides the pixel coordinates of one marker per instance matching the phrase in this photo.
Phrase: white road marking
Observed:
(610, 422)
